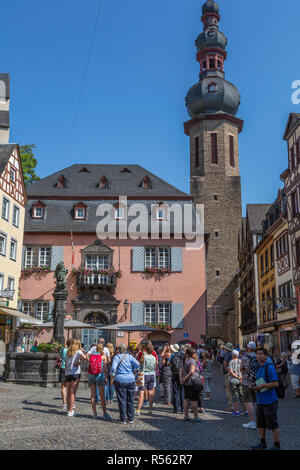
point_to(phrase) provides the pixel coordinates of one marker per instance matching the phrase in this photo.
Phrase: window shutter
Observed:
(214, 148)
(137, 313)
(177, 315)
(231, 145)
(138, 259)
(176, 259)
(57, 255)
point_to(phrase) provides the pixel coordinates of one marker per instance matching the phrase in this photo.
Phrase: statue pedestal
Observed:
(60, 297)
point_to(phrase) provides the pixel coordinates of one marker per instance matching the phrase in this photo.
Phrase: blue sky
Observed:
(132, 108)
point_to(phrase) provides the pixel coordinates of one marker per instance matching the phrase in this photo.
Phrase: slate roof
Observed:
(6, 151)
(256, 214)
(81, 184)
(59, 215)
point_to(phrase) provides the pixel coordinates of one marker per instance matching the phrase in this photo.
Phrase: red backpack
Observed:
(95, 364)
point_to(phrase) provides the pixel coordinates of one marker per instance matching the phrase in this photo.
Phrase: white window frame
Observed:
(6, 207)
(44, 312)
(46, 256)
(4, 236)
(161, 216)
(10, 283)
(16, 216)
(35, 215)
(13, 256)
(77, 216)
(28, 311)
(158, 312)
(97, 262)
(14, 173)
(158, 257)
(1, 282)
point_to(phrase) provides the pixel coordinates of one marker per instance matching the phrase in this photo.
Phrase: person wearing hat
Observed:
(176, 362)
(132, 348)
(228, 357)
(249, 365)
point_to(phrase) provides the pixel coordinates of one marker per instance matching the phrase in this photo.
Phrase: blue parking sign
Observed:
(186, 335)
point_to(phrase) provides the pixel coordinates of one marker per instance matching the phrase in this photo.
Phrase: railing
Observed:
(96, 280)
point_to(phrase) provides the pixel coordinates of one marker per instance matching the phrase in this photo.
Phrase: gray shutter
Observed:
(51, 307)
(138, 259)
(176, 259)
(23, 258)
(57, 255)
(137, 313)
(177, 315)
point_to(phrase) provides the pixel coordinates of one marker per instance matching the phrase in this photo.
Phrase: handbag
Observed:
(140, 380)
(58, 363)
(197, 382)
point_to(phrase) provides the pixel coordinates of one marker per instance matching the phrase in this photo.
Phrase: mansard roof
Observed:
(85, 185)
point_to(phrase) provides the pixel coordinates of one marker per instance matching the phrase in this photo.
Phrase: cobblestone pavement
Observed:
(31, 419)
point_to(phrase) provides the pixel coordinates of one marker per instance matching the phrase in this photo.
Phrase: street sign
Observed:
(186, 335)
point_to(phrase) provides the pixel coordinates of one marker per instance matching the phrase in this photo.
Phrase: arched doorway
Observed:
(159, 339)
(215, 343)
(91, 336)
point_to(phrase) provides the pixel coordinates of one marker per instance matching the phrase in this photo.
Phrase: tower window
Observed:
(216, 234)
(212, 87)
(216, 197)
(217, 272)
(214, 148)
(204, 64)
(231, 149)
(196, 152)
(212, 63)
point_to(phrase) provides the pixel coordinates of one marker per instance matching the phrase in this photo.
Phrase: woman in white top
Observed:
(73, 373)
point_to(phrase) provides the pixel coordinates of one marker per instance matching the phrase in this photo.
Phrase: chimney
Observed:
(4, 107)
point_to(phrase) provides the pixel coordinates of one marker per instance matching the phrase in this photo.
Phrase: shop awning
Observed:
(15, 313)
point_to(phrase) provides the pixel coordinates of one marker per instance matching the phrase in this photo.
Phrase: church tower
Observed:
(213, 129)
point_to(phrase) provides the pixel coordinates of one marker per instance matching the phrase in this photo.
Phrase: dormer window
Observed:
(61, 182)
(125, 170)
(103, 184)
(146, 183)
(38, 210)
(80, 212)
(119, 212)
(84, 170)
(212, 87)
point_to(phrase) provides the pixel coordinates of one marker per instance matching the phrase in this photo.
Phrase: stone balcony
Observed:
(96, 280)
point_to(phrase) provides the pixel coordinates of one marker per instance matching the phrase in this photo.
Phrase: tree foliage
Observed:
(29, 163)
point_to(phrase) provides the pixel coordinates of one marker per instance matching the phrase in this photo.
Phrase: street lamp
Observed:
(126, 306)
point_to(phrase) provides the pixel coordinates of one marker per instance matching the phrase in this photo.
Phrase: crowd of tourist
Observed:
(180, 376)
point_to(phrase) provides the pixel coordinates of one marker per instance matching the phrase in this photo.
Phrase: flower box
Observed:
(87, 271)
(160, 326)
(36, 270)
(161, 271)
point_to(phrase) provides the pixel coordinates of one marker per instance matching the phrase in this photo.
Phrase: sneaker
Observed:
(95, 416)
(74, 406)
(107, 417)
(273, 448)
(138, 413)
(236, 413)
(186, 419)
(64, 407)
(130, 422)
(71, 414)
(251, 425)
(197, 420)
(259, 446)
(123, 422)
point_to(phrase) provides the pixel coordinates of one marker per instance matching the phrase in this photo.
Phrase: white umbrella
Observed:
(71, 325)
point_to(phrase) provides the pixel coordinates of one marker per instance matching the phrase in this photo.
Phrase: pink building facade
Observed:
(105, 276)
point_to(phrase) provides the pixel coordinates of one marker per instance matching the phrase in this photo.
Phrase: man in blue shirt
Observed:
(267, 400)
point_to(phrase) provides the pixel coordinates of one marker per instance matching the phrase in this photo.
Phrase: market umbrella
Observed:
(128, 327)
(71, 325)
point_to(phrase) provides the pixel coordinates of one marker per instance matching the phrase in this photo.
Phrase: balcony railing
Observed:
(96, 280)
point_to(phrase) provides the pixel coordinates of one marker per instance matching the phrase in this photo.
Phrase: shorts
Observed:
(249, 395)
(149, 383)
(236, 392)
(295, 381)
(190, 393)
(266, 416)
(62, 375)
(98, 379)
(70, 378)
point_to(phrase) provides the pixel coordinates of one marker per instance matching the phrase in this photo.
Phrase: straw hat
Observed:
(175, 348)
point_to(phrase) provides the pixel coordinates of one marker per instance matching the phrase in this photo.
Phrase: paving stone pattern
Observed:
(31, 419)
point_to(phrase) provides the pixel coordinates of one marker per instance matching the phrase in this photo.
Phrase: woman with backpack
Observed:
(191, 379)
(73, 373)
(97, 379)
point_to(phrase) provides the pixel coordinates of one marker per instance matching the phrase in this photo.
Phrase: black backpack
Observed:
(177, 363)
(280, 390)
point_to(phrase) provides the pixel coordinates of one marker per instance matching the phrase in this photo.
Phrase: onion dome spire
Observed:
(212, 94)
